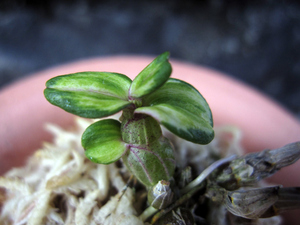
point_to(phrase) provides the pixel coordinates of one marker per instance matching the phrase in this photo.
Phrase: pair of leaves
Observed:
(101, 94)
(175, 104)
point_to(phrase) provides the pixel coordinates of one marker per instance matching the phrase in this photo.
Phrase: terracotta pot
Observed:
(24, 110)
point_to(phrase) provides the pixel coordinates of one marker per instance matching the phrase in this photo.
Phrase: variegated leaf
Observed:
(152, 77)
(180, 108)
(89, 94)
(103, 142)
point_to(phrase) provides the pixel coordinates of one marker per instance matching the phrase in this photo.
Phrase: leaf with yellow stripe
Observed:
(181, 109)
(89, 94)
(103, 142)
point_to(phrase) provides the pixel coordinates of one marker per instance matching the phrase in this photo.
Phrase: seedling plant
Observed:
(153, 99)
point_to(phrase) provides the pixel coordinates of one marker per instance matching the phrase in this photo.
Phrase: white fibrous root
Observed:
(59, 185)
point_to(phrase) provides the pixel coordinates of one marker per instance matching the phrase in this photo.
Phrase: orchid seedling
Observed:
(151, 99)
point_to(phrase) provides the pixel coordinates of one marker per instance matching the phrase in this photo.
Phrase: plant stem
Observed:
(147, 213)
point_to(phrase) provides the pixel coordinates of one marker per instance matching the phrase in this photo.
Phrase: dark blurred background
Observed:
(257, 42)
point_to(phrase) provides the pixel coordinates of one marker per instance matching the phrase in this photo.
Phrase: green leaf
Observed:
(152, 77)
(89, 94)
(102, 141)
(181, 109)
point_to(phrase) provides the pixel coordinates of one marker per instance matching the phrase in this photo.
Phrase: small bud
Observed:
(256, 166)
(161, 195)
(251, 204)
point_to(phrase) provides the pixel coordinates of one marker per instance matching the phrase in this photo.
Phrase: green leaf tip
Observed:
(151, 77)
(103, 142)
